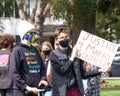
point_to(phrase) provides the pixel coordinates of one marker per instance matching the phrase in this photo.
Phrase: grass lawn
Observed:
(115, 82)
(110, 92)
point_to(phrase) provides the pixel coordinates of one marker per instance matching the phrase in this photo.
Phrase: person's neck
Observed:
(4, 49)
(8, 48)
(63, 48)
(47, 58)
(26, 42)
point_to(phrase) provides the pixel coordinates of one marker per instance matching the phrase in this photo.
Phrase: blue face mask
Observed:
(64, 43)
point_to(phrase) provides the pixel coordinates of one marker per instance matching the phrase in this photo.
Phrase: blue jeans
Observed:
(47, 93)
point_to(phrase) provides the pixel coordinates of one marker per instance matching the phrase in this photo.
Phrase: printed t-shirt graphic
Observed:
(32, 63)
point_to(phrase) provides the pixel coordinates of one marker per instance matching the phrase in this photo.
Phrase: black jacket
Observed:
(67, 74)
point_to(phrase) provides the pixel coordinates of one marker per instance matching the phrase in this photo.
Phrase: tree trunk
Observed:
(88, 25)
(22, 9)
(40, 10)
(32, 17)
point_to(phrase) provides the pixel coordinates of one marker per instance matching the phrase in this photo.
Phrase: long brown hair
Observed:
(47, 43)
(87, 66)
(61, 30)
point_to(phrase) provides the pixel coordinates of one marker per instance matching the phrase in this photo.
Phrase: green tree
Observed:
(79, 14)
(108, 20)
(6, 8)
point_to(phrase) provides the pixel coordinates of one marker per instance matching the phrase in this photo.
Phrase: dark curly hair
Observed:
(61, 30)
(6, 40)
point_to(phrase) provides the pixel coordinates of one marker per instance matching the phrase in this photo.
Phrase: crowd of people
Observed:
(50, 71)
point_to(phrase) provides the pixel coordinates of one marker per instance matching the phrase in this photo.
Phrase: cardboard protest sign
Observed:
(95, 50)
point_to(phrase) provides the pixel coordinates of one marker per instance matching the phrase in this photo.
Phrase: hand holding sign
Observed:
(107, 69)
(74, 53)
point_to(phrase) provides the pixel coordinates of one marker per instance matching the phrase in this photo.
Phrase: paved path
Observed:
(112, 78)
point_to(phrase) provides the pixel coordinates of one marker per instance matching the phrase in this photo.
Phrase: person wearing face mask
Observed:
(46, 48)
(27, 65)
(67, 70)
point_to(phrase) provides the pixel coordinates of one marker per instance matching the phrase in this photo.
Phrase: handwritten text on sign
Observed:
(95, 50)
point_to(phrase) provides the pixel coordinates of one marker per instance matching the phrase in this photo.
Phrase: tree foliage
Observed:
(108, 19)
(74, 11)
(6, 8)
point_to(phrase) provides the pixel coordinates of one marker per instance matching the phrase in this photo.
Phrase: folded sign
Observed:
(95, 50)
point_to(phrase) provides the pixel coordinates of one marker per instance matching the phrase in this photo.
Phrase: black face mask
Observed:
(64, 43)
(46, 52)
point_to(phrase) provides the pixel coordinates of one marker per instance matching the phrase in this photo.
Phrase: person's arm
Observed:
(15, 60)
(43, 70)
(43, 80)
(48, 73)
(86, 74)
(60, 66)
(78, 64)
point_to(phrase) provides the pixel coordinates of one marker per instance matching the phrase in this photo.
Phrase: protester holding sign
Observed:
(67, 69)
